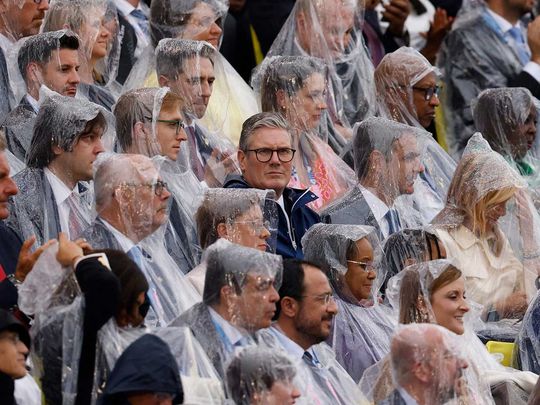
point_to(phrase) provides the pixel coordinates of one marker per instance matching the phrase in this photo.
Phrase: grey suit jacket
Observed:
(33, 211)
(199, 320)
(99, 236)
(352, 208)
(19, 128)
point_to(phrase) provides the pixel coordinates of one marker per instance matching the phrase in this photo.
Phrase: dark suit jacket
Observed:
(127, 49)
(199, 320)
(99, 236)
(524, 79)
(181, 239)
(19, 128)
(389, 42)
(10, 246)
(33, 210)
(5, 106)
(352, 208)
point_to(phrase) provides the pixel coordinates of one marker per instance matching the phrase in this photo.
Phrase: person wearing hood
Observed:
(145, 373)
(265, 155)
(14, 346)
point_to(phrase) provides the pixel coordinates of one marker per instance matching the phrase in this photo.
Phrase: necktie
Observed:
(322, 374)
(394, 223)
(77, 220)
(137, 255)
(196, 164)
(142, 21)
(521, 46)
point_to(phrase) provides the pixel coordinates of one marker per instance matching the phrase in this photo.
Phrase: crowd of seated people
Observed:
(264, 203)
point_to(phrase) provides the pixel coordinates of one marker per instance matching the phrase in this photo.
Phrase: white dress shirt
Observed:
(233, 334)
(125, 243)
(61, 193)
(33, 102)
(378, 208)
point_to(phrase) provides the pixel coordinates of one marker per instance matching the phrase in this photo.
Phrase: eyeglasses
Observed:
(257, 226)
(177, 123)
(366, 266)
(264, 155)
(325, 298)
(159, 186)
(429, 92)
(38, 1)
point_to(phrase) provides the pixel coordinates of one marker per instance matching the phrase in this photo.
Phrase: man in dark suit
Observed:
(132, 205)
(426, 367)
(19, 20)
(265, 155)
(387, 161)
(187, 68)
(53, 196)
(493, 48)
(239, 299)
(50, 59)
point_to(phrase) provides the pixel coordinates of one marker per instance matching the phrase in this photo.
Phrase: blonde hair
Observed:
(478, 213)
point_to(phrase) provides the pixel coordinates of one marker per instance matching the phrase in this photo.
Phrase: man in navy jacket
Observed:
(265, 156)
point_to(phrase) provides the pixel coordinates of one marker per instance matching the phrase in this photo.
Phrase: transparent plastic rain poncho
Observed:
(473, 58)
(362, 327)
(41, 50)
(498, 257)
(139, 130)
(420, 294)
(387, 161)
(52, 294)
(202, 20)
(96, 24)
(332, 31)
(407, 247)
(260, 375)
(294, 86)
(246, 217)
(506, 118)
(188, 68)
(429, 364)
(528, 340)
(125, 187)
(398, 80)
(60, 123)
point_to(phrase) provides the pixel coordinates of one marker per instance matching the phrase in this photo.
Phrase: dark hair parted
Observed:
(172, 54)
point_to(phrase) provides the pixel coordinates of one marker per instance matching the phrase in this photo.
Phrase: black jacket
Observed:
(300, 216)
(10, 246)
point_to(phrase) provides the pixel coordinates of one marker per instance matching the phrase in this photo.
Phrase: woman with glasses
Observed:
(295, 87)
(245, 217)
(362, 327)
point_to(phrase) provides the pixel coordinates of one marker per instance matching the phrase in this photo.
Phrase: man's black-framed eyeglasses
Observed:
(429, 92)
(264, 155)
(177, 123)
(159, 186)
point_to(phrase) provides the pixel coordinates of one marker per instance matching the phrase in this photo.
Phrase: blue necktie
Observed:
(142, 21)
(521, 46)
(394, 223)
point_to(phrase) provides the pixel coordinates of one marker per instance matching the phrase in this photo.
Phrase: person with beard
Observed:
(304, 316)
(426, 367)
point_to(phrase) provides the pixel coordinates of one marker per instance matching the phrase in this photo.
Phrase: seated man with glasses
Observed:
(265, 156)
(132, 204)
(150, 122)
(304, 320)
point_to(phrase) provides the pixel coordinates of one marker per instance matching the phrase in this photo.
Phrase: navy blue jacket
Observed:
(147, 365)
(300, 216)
(10, 246)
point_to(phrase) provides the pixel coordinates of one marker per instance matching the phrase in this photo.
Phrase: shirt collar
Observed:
(125, 243)
(465, 238)
(5, 43)
(378, 207)
(33, 102)
(125, 8)
(503, 24)
(232, 333)
(290, 346)
(60, 190)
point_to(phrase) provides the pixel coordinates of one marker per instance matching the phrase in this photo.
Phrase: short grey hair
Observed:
(258, 121)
